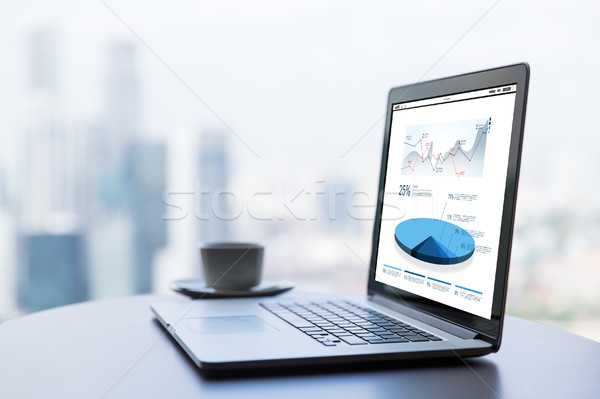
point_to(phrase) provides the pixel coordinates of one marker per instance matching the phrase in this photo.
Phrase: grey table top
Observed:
(115, 349)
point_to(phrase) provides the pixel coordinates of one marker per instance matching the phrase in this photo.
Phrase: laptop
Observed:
(441, 246)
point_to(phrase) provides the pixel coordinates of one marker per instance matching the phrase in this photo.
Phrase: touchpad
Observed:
(228, 325)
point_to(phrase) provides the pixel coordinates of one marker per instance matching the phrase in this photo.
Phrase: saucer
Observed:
(196, 289)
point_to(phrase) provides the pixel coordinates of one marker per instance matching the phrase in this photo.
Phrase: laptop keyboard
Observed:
(333, 323)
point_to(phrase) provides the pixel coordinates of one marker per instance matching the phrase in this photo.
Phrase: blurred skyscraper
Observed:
(148, 181)
(123, 98)
(53, 267)
(120, 127)
(127, 178)
(213, 208)
(54, 275)
(48, 146)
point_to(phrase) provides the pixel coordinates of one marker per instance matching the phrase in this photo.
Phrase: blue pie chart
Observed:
(434, 241)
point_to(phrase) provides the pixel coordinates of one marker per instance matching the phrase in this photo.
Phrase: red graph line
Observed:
(454, 163)
(438, 159)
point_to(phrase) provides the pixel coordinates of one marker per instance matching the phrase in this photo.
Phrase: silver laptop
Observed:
(441, 245)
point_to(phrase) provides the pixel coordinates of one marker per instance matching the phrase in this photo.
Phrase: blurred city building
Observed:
(148, 181)
(213, 199)
(127, 177)
(54, 272)
(52, 263)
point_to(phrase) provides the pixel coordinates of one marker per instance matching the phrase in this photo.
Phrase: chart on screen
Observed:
(434, 241)
(454, 148)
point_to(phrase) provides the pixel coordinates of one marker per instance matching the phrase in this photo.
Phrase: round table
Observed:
(116, 349)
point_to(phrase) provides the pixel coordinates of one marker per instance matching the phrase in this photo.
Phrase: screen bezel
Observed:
(489, 330)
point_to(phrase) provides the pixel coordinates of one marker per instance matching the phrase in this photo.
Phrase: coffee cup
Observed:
(232, 265)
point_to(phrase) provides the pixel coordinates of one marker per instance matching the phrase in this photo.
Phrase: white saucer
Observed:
(198, 290)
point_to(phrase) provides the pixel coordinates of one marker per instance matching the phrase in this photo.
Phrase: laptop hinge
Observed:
(443, 325)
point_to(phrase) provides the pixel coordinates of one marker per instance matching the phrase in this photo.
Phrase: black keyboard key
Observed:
(366, 335)
(376, 330)
(335, 330)
(405, 333)
(356, 330)
(396, 340)
(388, 335)
(398, 329)
(371, 339)
(365, 324)
(415, 338)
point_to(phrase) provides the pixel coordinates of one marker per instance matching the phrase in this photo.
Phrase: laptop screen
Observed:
(444, 191)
